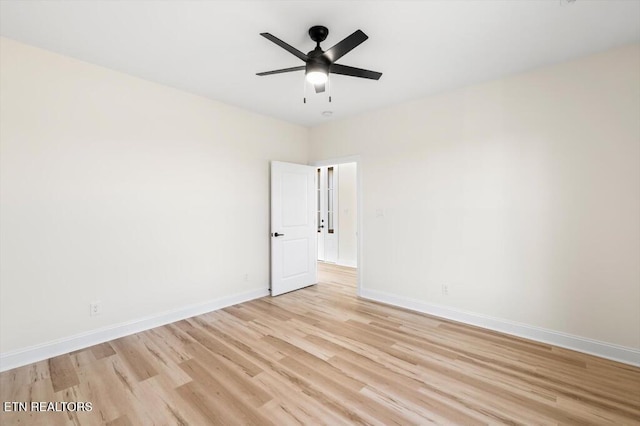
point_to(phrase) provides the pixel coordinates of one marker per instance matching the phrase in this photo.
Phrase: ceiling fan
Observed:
(320, 63)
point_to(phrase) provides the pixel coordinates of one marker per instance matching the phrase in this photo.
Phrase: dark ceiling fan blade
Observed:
(285, 46)
(345, 46)
(300, 68)
(354, 72)
(319, 88)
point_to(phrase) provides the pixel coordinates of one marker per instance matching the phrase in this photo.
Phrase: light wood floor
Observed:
(323, 356)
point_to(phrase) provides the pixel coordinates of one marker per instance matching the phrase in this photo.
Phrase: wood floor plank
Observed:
(82, 358)
(321, 355)
(385, 384)
(138, 361)
(102, 350)
(239, 383)
(120, 421)
(168, 407)
(63, 374)
(218, 402)
(219, 347)
(335, 395)
(291, 405)
(99, 386)
(119, 385)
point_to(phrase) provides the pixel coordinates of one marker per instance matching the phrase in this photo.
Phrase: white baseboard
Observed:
(564, 340)
(18, 358)
(350, 264)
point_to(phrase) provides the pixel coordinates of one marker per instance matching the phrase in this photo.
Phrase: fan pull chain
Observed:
(329, 88)
(304, 90)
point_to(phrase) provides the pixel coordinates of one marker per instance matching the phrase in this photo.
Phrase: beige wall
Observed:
(521, 195)
(123, 191)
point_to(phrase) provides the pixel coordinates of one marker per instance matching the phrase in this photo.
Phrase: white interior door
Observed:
(293, 227)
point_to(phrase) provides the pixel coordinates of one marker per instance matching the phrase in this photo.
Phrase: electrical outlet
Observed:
(95, 308)
(445, 289)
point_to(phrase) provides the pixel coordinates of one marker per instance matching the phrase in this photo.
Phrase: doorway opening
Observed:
(337, 184)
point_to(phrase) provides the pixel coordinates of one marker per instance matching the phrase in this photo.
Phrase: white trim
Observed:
(20, 357)
(336, 161)
(352, 159)
(347, 264)
(605, 350)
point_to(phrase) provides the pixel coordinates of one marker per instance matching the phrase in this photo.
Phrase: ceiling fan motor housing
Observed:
(317, 61)
(318, 33)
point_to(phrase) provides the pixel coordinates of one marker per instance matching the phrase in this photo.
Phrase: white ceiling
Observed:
(213, 48)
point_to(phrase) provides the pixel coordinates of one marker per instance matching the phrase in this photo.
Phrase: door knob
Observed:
(278, 235)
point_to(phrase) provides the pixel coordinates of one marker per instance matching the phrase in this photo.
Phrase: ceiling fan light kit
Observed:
(319, 63)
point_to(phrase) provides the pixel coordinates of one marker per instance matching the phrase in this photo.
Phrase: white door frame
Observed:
(334, 237)
(342, 160)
